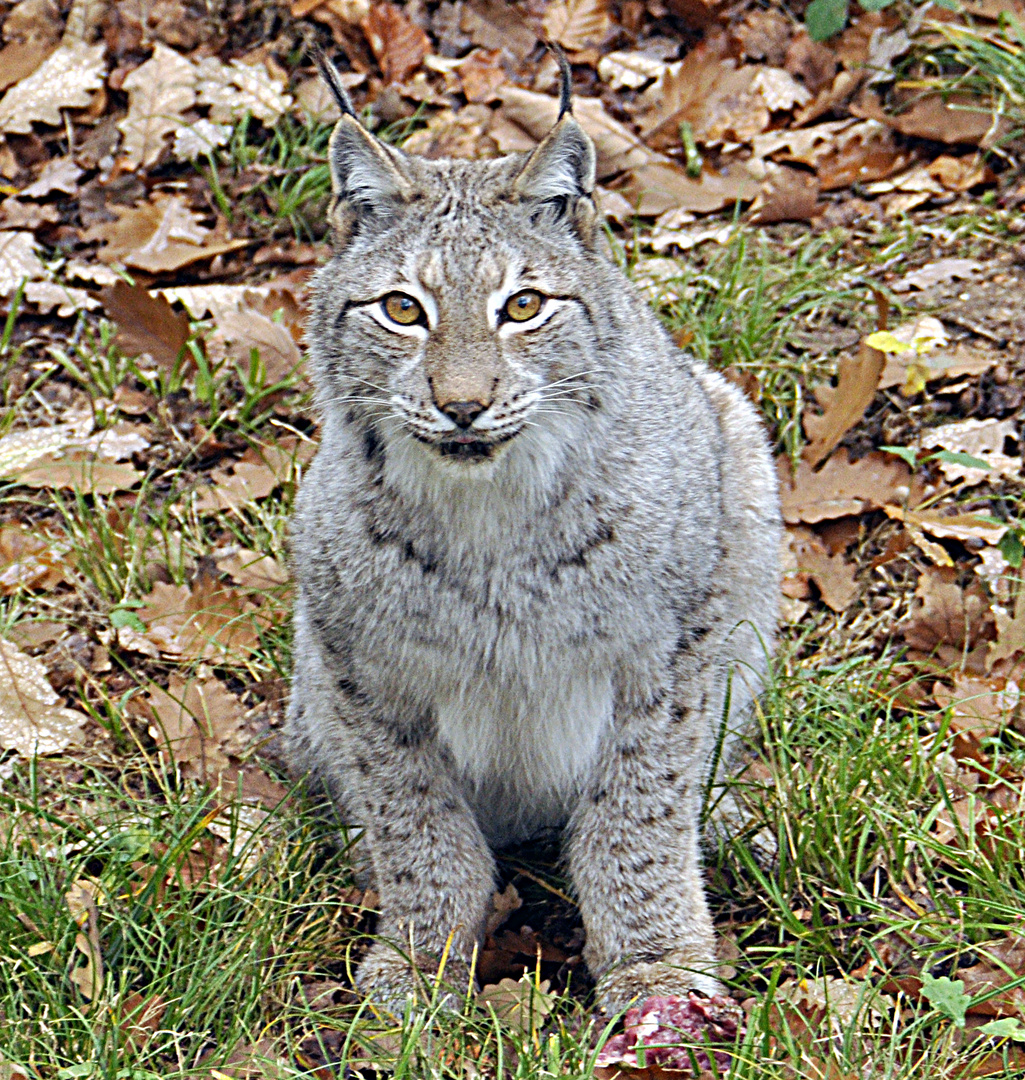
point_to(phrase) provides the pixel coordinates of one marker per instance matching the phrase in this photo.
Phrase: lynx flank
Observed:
(535, 541)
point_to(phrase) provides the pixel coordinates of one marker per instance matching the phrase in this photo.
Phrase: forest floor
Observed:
(837, 224)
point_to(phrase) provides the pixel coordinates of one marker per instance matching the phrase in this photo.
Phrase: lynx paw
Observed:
(672, 975)
(392, 983)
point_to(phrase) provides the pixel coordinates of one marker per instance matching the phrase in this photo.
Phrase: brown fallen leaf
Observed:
(58, 174)
(139, 1018)
(147, 324)
(1010, 642)
(944, 613)
(952, 119)
(936, 272)
(785, 194)
(251, 569)
(833, 575)
(398, 44)
(207, 620)
(67, 79)
(481, 74)
(239, 87)
(1002, 962)
(949, 526)
(858, 379)
(523, 1005)
(158, 236)
(31, 561)
(577, 24)
(842, 487)
(77, 469)
(982, 439)
(32, 718)
(495, 24)
(198, 724)
(31, 31)
(238, 334)
(981, 705)
(18, 261)
(159, 91)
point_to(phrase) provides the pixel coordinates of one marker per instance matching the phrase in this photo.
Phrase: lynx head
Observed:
(458, 316)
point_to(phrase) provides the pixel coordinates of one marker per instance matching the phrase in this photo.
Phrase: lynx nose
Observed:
(463, 412)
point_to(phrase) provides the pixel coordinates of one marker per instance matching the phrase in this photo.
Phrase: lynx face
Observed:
(454, 311)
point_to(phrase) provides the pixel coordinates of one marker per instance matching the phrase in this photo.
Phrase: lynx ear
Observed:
(558, 178)
(562, 167)
(366, 175)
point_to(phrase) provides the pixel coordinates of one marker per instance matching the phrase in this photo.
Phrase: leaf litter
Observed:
(903, 483)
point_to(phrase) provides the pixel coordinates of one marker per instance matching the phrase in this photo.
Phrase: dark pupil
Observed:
(406, 304)
(522, 302)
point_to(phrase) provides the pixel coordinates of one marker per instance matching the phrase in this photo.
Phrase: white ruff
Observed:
(522, 750)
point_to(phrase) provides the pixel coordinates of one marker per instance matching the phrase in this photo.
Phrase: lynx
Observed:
(537, 544)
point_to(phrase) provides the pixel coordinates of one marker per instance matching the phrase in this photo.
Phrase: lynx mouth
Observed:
(464, 447)
(467, 449)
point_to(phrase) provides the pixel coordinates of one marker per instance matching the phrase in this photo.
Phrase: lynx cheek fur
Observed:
(535, 540)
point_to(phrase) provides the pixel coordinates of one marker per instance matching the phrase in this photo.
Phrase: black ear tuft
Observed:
(565, 79)
(329, 73)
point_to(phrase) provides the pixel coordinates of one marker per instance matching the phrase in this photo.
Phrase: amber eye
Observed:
(524, 305)
(403, 309)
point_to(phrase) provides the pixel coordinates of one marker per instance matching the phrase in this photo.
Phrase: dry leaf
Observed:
(982, 439)
(842, 487)
(77, 469)
(47, 295)
(58, 174)
(205, 621)
(66, 80)
(481, 74)
(495, 24)
(982, 706)
(159, 91)
(251, 569)
(1010, 635)
(232, 90)
(946, 614)
(399, 45)
(239, 333)
(936, 272)
(88, 977)
(147, 324)
(30, 561)
(522, 1005)
(32, 30)
(577, 24)
(198, 723)
(630, 70)
(19, 448)
(32, 719)
(953, 118)
(833, 575)
(846, 404)
(199, 137)
(785, 195)
(949, 526)
(158, 236)
(249, 478)
(138, 1018)
(18, 261)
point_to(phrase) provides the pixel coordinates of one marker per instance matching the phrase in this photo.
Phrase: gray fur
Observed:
(492, 646)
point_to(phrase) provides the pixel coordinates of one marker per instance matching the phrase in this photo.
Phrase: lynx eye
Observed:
(403, 309)
(523, 305)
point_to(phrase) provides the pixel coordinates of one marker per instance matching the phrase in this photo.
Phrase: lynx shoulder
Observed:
(536, 541)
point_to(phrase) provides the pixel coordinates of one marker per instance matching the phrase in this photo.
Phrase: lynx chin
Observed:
(536, 545)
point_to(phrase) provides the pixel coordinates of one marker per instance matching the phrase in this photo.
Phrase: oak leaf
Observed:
(32, 719)
(846, 405)
(159, 91)
(65, 80)
(577, 24)
(398, 44)
(18, 261)
(842, 487)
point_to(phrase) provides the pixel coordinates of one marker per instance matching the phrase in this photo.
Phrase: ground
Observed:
(812, 217)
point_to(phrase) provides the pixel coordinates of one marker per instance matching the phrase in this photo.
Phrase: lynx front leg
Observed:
(432, 866)
(635, 862)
